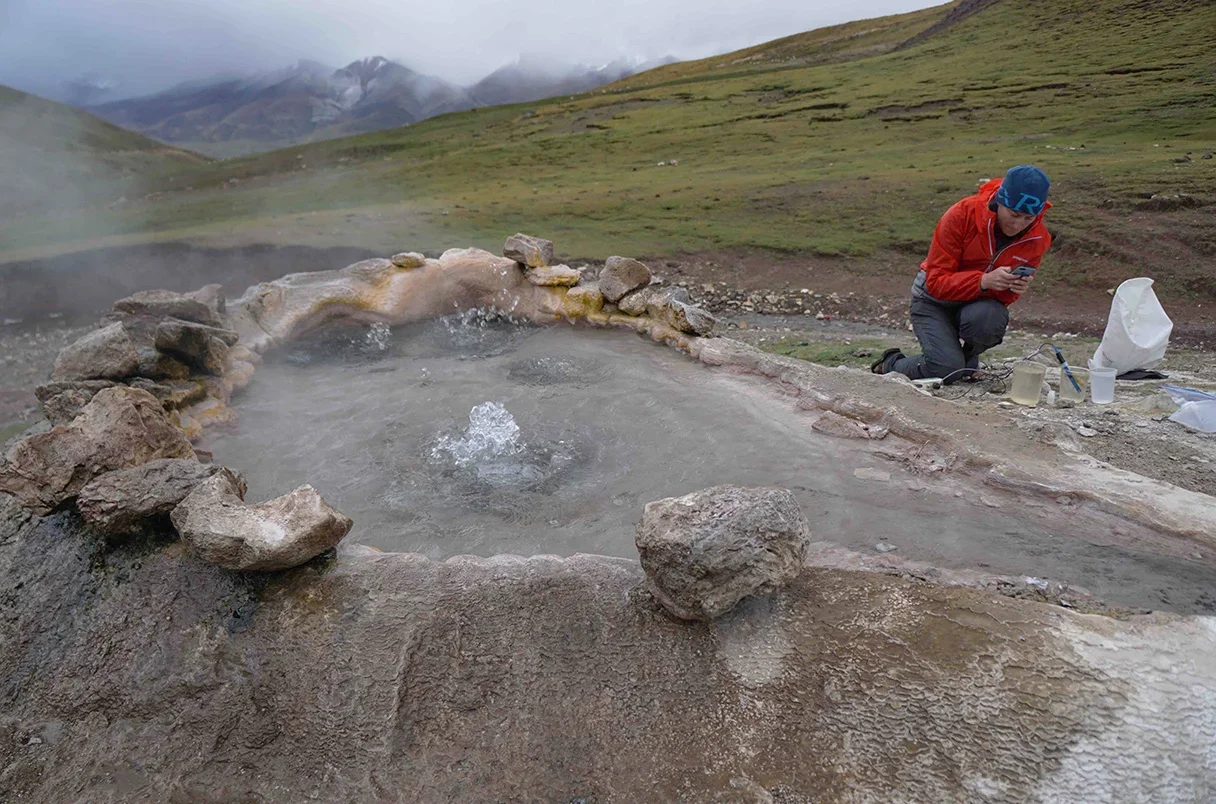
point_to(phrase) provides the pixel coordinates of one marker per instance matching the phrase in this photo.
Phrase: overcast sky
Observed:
(146, 45)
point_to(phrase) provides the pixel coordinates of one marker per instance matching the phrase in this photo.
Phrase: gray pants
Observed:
(953, 335)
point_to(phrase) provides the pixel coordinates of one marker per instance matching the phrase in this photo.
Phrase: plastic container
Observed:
(1069, 392)
(1027, 383)
(1102, 385)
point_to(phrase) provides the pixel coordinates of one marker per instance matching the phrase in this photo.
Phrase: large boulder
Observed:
(131, 500)
(121, 427)
(198, 345)
(200, 307)
(107, 353)
(706, 551)
(531, 251)
(285, 532)
(62, 401)
(622, 275)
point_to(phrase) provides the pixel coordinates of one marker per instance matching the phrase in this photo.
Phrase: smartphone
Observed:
(1023, 270)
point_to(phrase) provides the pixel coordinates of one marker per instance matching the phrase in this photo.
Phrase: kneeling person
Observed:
(984, 254)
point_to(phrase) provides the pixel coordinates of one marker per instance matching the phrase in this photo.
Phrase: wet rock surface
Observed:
(708, 550)
(141, 498)
(381, 675)
(120, 428)
(285, 532)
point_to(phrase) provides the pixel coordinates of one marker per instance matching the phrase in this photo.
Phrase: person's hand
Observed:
(1000, 279)
(1020, 284)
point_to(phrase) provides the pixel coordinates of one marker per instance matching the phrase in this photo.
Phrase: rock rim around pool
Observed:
(706, 551)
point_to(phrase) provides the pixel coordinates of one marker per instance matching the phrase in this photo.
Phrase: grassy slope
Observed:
(53, 156)
(854, 157)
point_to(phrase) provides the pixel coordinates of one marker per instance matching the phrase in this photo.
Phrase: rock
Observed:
(690, 318)
(409, 259)
(130, 500)
(885, 547)
(879, 475)
(582, 301)
(531, 251)
(706, 551)
(622, 275)
(171, 393)
(120, 428)
(635, 303)
(199, 346)
(834, 424)
(285, 532)
(241, 373)
(167, 304)
(554, 276)
(212, 412)
(663, 298)
(652, 301)
(156, 365)
(13, 517)
(103, 354)
(62, 401)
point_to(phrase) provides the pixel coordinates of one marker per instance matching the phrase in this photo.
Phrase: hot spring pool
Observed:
(573, 431)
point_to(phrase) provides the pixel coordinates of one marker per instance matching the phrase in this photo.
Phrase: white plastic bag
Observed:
(1199, 416)
(1198, 410)
(1138, 330)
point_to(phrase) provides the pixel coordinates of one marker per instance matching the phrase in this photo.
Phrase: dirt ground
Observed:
(877, 291)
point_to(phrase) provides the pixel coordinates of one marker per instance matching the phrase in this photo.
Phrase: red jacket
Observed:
(964, 249)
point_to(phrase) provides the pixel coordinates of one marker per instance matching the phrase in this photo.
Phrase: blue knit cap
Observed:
(1024, 189)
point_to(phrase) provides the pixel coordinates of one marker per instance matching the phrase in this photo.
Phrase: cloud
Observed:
(145, 45)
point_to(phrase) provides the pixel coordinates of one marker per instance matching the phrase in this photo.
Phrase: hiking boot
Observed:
(883, 364)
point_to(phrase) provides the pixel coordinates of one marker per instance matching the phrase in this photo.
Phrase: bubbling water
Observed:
(492, 433)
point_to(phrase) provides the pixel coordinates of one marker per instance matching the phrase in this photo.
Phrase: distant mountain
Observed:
(230, 115)
(287, 106)
(533, 78)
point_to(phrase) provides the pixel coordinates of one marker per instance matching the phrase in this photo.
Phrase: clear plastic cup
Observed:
(1027, 383)
(1070, 392)
(1102, 385)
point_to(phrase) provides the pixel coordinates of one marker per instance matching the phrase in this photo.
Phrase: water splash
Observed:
(479, 318)
(492, 433)
(377, 338)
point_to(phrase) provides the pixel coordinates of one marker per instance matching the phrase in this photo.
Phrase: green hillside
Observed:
(53, 157)
(809, 145)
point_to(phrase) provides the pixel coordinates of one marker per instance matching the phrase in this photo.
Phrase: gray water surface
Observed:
(378, 422)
